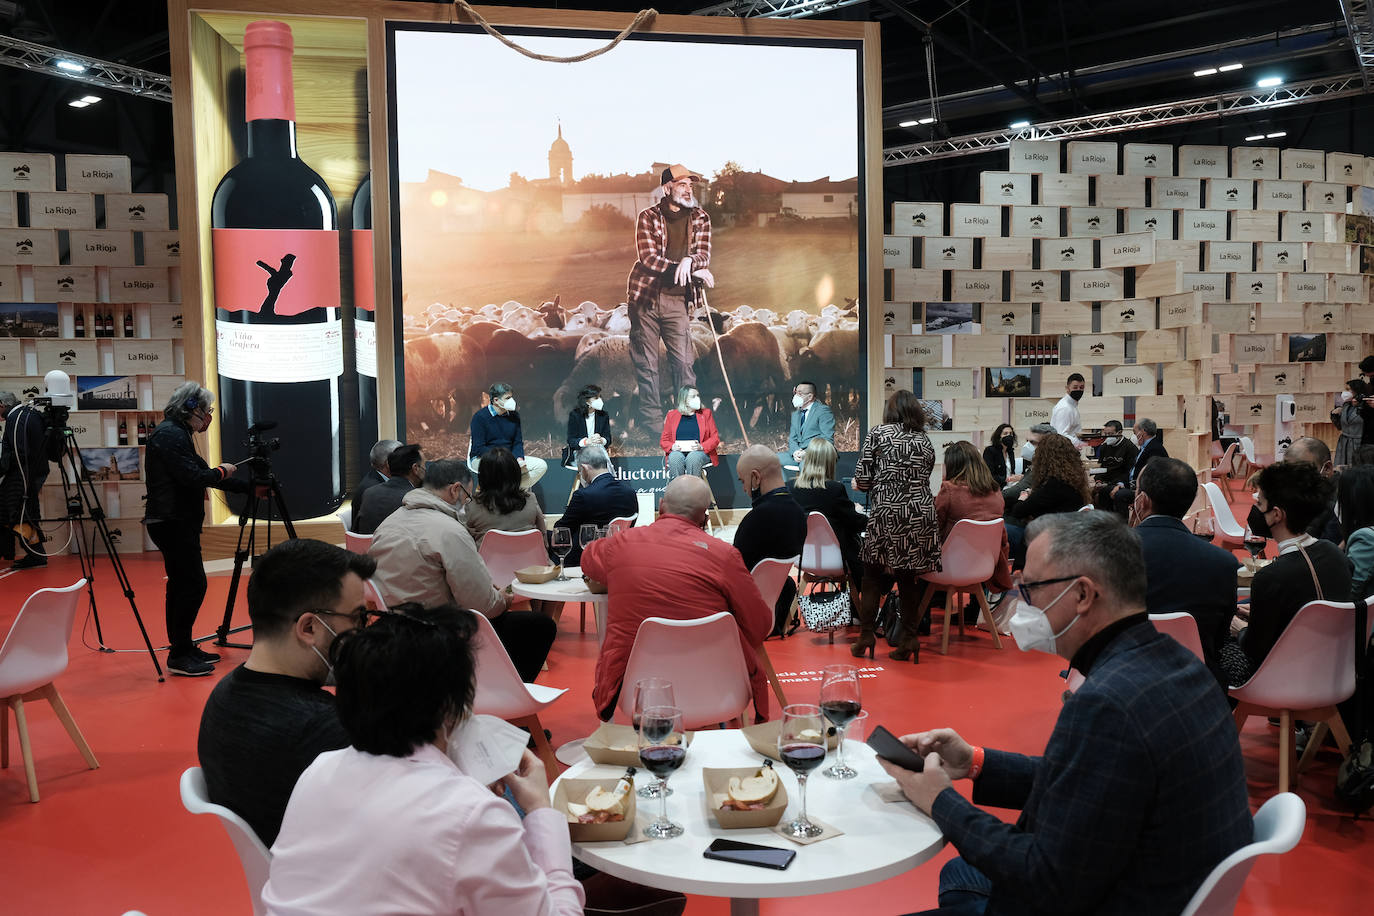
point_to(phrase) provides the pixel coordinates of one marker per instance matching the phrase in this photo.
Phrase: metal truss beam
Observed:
(1202, 109)
(26, 55)
(1359, 22)
(776, 9)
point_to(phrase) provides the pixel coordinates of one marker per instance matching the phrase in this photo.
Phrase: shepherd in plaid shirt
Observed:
(673, 242)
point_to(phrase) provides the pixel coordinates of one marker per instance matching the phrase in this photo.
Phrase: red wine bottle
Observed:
(364, 320)
(142, 432)
(129, 323)
(274, 230)
(123, 431)
(80, 323)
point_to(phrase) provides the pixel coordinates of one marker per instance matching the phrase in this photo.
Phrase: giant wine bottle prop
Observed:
(276, 253)
(364, 319)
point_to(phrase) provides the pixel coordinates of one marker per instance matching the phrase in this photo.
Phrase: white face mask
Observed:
(1345, 396)
(798, 401)
(694, 403)
(329, 677)
(1032, 629)
(596, 403)
(508, 405)
(1028, 451)
(1111, 440)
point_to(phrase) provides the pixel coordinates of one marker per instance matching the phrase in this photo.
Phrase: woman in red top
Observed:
(970, 491)
(689, 437)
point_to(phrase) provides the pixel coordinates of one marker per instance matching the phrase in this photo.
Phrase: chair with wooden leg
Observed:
(33, 655)
(501, 693)
(968, 558)
(822, 560)
(770, 575)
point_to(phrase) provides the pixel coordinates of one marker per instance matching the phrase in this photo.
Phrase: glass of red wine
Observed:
(801, 745)
(649, 692)
(1255, 544)
(1204, 528)
(840, 703)
(560, 539)
(662, 749)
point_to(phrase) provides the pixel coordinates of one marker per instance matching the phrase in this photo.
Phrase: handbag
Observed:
(1355, 778)
(827, 608)
(890, 618)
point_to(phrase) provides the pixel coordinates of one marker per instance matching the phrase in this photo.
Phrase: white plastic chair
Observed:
(617, 525)
(822, 560)
(504, 552)
(968, 558)
(501, 693)
(1088, 508)
(701, 658)
(770, 575)
(1278, 827)
(1247, 449)
(1181, 626)
(1228, 530)
(255, 858)
(34, 654)
(357, 543)
(1309, 670)
(345, 515)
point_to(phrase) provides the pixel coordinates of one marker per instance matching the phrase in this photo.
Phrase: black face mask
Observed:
(1258, 526)
(1076, 395)
(1009, 441)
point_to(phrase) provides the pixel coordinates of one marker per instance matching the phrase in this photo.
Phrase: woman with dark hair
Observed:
(969, 491)
(500, 503)
(1002, 457)
(394, 811)
(1355, 503)
(816, 490)
(1061, 485)
(1350, 418)
(902, 538)
(588, 424)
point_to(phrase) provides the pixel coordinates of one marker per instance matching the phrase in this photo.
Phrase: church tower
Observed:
(560, 160)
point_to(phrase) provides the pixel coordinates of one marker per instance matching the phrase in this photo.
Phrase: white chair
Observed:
(1182, 627)
(504, 552)
(1278, 827)
(34, 654)
(1309, 670)
(357, 543)
(1225, 466)
(623, 523)
(372, 594)
(770, 575)
(1228, 530)
(1088, 508)
(345, 515)
(822, 560)
(501, 693)
(703, 661)
(968, 558)
(255, 858)
(1247, 448)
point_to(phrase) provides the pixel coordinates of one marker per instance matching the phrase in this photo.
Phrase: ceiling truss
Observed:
(27, 55)
(1359, 22)
(776, 9)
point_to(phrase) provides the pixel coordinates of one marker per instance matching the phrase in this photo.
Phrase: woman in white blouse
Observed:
(588, 424)
(390, 824)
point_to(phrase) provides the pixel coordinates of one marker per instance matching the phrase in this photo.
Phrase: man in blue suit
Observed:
(810, 419)
(1151, 445)
(601, 498)
(1140, 791)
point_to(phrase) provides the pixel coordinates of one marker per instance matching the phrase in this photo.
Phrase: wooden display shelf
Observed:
(1132, 249)
(1126, 315)
(1008, 254)
(1254, 226)
(1064, 190)
(1037, 157)
(1282, 256)
(1204, 161)
(1325, 197)
(1303, 164)
(1229, 193)
(1154, 159)
(1176, 193)
(1120, 190)
(946, 253)
(1255, 162)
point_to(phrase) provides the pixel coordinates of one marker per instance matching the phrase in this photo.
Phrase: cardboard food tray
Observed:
(764, 738)
(616, 745)
(718, 779)
(534, 575)
(576, 790)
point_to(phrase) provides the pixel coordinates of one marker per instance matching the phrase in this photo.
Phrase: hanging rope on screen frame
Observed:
(642, 19)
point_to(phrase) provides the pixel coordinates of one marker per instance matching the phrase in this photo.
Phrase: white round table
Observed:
(574, 591)
(881, 839)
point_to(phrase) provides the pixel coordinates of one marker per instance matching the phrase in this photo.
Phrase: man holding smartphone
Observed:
(1140, 791)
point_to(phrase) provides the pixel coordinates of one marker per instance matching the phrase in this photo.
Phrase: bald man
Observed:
(776, 524)
(673, 569)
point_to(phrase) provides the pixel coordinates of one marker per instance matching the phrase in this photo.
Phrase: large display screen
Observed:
(517, 193)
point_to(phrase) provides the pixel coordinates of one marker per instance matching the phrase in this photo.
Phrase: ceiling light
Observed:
(926, 121)
(79, 103)
(1276, 135)
(1210, 71)
(70, 66)
(1017, 125)
(1269, 82)
(907, 124)
(1254, 138)
(1227, 68)
(90, 99)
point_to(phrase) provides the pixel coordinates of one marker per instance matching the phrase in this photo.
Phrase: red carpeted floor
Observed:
(117, 838)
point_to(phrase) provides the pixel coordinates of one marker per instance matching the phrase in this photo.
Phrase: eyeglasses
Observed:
(1023, 589)
(361, 617)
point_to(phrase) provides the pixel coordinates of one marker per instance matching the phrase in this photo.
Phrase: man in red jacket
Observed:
(674, 569)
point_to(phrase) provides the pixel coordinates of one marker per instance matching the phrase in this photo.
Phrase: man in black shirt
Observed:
(269, 718)
(776, 524)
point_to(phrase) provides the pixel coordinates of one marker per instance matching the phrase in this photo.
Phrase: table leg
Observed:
(744, 906)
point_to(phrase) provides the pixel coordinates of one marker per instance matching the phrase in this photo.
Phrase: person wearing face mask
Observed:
(1117, 456)
(407, 466)
(1011, 492)
(775, 525)
(268, 719)
(177, 478)
(810, 419)
(1064, 418)
(425, 554)
(588, 424)
(1349, 416)
(1140, 790)
(378, 473)
(673, 569)
(1003, 458)
(689, 438)
(394, 804)
(23, 469)
(601, 497)
(1150, 445)
(498, 425)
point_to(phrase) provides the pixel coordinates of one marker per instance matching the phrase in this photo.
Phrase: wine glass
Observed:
(801, 745)
(1255, 544)
(662, 748)
(1203, 527)
(651, 692)
(840, 703)
(560, 539)
(586, 534)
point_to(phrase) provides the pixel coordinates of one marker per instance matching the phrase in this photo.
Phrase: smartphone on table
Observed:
(750, 854)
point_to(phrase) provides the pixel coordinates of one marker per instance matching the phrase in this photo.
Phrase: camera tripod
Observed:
(82, 506)
(264, 495)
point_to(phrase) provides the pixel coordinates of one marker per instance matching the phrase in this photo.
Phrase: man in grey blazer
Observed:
(810, 419)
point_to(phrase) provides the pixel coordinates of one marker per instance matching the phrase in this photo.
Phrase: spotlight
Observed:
(1018, 125)
(1210, 71)
(1276, 135)
(70, 66)
(90, 99)
(1227, 68)
(1270, 82)
(1254, 138)
(926, 121)
(908, 124)
(79, 103)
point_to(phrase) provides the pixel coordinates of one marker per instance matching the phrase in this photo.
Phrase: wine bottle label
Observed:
(276, 271)
(280, 352)
(364, 273)
(365, 347)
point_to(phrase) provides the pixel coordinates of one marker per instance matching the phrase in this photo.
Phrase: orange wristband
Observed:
(977, 766)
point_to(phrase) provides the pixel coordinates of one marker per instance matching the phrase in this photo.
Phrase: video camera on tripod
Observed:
(261, 447)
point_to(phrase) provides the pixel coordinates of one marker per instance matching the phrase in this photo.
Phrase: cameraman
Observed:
(23, 468)
(177, 478)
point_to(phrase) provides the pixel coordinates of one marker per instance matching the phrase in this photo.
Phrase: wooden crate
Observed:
(915, 351)
(1128, 381)
(1165, 409)
(1162, 279)
(1198, 342)
(1127, 250)
(1301, 226)
(143, 357)
(1211, 287)
(1034, 285)
(1093, 157)
(1004, 188)
(896, 251)
(1281, 256)
(1347, 168)
(946, 253)
(918, 218)
(75, 357)
(1278, 317)
(1068, 254)
(1119, 191)
(1325, 197)
(1182, 377)
(1304, 287)
(976, 286)
(1255, 162)
(1303, 164)
(1193, 449)
(1353, 288)
(1127, 315)
(1345, 348)
(1229, 193)
(1278, 195)
(1093, 221)
(1312, 407)
(62, 210)
(10, 291)
(1147, 159)
(1066, 318)
(1198, 408)
(99, 174)
(947, 383)
(1327, 376)
(136, 211)
(101, 247)
(139, 284)
(1278, 378)
(1203, 225)
(1255, 287)
(1254, 226)
(1180, 310)
(1095, 412)
(9, 210)
(1204, 162)
(1064, 190)
(64, 284)
(897, 317)
(28, 172)
(1331, 257)
(977, 414)
(1230, 256)
(161, 247)
(1158, 346)
(28, 246)
(1189, 254)
(1008, 254)
(1037, 157)
(1250, 408)
(1097, 285)
(1008, 318)
(1252, 349)
(1054, 379)
(1151, 219)
(1176, 193)
(1326, 316)
(975, 220)
(1098, 349)
(979, 350)
(1028, 412)
(918, 285)
(1035, 222)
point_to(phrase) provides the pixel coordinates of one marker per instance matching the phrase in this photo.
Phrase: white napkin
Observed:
(487, 748)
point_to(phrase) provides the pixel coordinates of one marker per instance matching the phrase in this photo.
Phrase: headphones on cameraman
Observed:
(193, 403)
